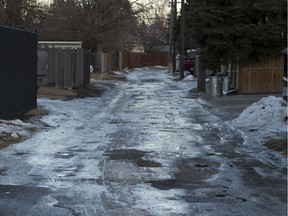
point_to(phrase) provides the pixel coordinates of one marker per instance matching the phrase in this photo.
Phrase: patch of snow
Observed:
(15, 128)
(189, 78)
(119, 73)
(268, 116)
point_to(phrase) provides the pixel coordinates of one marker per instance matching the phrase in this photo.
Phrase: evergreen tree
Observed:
(227, 29)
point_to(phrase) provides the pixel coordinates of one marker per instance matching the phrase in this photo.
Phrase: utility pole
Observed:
(182, 42)
(171, 35)
(174, 47)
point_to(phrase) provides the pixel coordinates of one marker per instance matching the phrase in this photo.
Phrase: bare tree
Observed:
(21, 13)
(61, 21)
(107, 24)
(2, 12)
(13, 12)
(152, 26)
(104, 24)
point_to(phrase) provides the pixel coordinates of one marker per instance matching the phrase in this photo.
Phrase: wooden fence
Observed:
(264, 76)
(134, 60)
(103, 62)
(67, 68)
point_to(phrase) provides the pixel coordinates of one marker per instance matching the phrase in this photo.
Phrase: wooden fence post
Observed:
(108, 61)
(79, 67)
(67, 82)
(120, 59)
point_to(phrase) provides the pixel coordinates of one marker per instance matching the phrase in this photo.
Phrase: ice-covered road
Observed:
(142, 148)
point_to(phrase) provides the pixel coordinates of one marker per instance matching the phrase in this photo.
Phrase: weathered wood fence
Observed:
(133, 60)
(67, 68)
(117, 60)
(265, 76)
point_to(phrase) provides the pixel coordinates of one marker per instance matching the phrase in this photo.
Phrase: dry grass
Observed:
(6, 140)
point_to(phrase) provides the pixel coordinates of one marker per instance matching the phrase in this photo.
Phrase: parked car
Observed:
(189, 61)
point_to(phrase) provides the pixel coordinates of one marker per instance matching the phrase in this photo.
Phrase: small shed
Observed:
(60, 44)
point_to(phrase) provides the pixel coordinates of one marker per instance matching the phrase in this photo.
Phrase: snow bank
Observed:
(268, 116)
(15, 128)
(189, 78)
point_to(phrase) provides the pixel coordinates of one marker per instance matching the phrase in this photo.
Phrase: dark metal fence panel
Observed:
(18, 71)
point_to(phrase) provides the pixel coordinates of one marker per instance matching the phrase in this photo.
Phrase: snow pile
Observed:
(268, 116)
(15, 129)
(118, 73)
(189, 78)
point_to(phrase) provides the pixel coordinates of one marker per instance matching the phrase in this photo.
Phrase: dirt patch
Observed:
(90, 91)
(55, 93)
(36, 112)
(191, 171)
(65, 94)
(278, 144)
(52, 92)
(108, 76)
(147, 163)
(6, 140)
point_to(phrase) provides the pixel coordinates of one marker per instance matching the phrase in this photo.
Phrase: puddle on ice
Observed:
(20, 153)
(191, 171)
(63, 155)
(146, 163)
(122, 154)
(132, 155)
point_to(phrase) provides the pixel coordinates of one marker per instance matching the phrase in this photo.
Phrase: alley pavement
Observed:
(230, 107)
(144, 147)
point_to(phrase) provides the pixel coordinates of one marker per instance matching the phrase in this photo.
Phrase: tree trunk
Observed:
(201, 76)
(182, 41)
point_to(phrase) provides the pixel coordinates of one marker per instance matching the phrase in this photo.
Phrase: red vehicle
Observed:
(189, 61)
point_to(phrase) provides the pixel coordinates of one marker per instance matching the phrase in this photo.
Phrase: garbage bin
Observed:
(214, 85)
(207, 86)
(225, 85)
